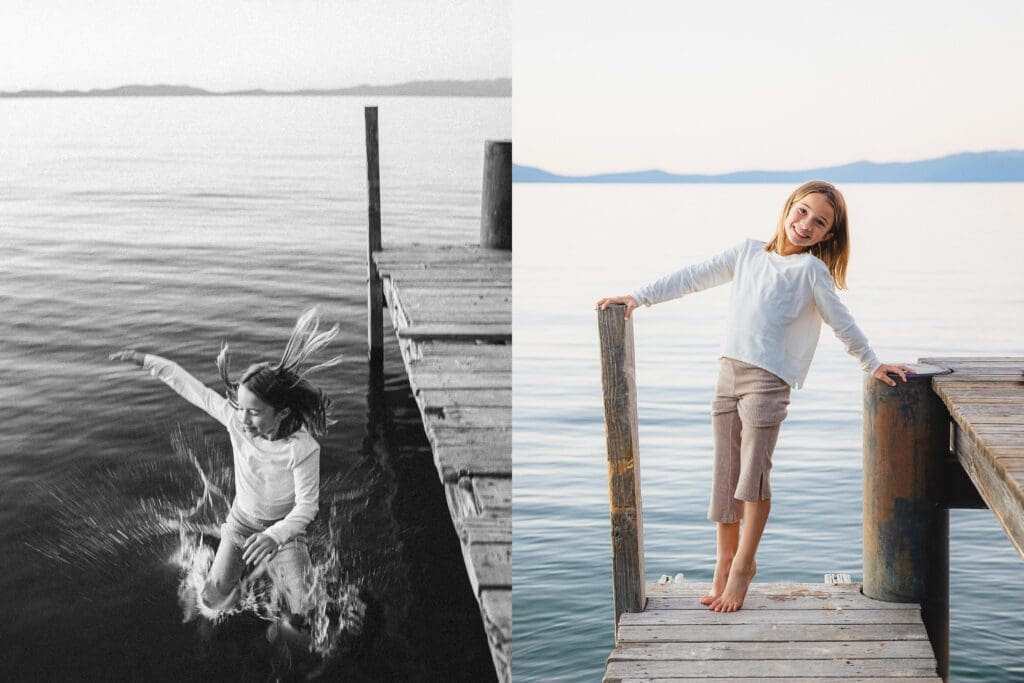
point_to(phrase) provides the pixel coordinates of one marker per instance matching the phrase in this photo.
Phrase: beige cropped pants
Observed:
(749, 406)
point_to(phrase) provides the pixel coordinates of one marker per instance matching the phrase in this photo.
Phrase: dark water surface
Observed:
(169, 225)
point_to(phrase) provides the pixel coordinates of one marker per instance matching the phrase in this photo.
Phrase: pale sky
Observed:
(240, 44)
(709, 87)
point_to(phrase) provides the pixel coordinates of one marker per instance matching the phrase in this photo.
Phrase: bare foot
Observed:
(731, 598)
(722, 567)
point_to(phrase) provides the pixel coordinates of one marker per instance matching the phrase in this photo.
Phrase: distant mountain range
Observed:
(498, 87)
(968, 167)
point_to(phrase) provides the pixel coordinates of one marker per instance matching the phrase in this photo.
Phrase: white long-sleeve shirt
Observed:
(274, 480)
(776, 307)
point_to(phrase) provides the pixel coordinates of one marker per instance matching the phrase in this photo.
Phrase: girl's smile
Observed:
(809, 222)
(258, 417)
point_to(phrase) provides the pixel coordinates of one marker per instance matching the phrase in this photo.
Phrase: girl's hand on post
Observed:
(128, 355)
(629, 302)
(259, 547)
(883, 371)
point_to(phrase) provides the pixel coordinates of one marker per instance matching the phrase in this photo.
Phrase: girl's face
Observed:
(258, 417)
(809, 221)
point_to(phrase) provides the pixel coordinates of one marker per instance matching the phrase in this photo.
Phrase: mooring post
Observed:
(618, 380)
(906, 524)
(496, 210)
(374, 290)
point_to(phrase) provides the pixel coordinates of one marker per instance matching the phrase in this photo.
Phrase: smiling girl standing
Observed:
(272, 414)
(781, 292)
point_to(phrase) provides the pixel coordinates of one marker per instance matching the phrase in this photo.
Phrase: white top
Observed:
(274, 480)
(775, 308)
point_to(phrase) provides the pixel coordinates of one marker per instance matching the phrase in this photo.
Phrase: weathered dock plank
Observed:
(785, 631)
(451, 308)
(760, 679)
(780, 669)
(985, 400)
(697, 617)
(807, 649)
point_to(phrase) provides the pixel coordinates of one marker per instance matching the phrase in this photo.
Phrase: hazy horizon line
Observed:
(498, 80)
(964, 163)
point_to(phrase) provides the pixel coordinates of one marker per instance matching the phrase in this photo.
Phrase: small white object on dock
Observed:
(837, 579)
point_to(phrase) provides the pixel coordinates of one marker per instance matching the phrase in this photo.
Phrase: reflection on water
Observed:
(170, 226)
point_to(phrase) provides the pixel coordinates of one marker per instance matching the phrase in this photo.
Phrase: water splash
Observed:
(173, 508)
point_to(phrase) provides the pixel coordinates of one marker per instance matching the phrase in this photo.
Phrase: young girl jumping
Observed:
(781, 292)
(272, 414)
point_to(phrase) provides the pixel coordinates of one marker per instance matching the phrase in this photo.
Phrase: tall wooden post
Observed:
(906, 524)
(496, 211)
(375, 290)
(618, 379)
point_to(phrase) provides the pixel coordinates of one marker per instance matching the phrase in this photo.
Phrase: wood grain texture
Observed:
(451, 308)
(496, 202)
(374, 291)
(802, 649)
(618, 380)
(785, 631)
(752, 678)
(986, 403)
(780, 669)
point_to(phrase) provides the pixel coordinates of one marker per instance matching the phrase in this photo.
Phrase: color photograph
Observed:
(811, 215)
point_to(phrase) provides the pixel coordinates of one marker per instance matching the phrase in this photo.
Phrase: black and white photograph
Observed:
(255, 367)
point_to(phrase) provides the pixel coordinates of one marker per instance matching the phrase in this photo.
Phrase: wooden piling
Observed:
(496, 206)
(374, 288)
(906, 522)
(618, 380)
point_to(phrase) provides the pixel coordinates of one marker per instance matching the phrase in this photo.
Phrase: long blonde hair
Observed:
(834, 251)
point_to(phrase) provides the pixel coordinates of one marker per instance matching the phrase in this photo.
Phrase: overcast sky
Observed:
(721, 86)
(239, 44)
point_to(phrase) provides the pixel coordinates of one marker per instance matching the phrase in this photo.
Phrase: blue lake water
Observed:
(169, 225)
(935, 271)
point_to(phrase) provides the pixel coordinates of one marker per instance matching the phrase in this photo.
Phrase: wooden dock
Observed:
(985, 401)
(784, 632)
(952, 436)
(451, 309)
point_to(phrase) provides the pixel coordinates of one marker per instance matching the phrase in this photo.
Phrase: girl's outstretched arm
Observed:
(717, 270)
(187, 386)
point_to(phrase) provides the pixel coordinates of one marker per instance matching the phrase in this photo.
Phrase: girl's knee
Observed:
(217, 596)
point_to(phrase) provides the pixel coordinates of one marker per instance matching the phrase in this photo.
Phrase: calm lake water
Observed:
(935, 271)
(169, 225)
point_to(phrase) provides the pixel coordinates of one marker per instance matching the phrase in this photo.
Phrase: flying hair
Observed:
(284, 384)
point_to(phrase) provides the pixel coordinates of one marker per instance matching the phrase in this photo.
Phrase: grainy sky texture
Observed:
(708, 87)
(240, 44)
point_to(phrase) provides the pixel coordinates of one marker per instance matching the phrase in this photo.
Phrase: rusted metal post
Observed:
(374, 287)
(618, 379)
(906, 524)
(496, 209)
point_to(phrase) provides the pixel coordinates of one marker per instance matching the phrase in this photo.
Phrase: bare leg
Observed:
(755, 516)
(224, 576)
(728, 543)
